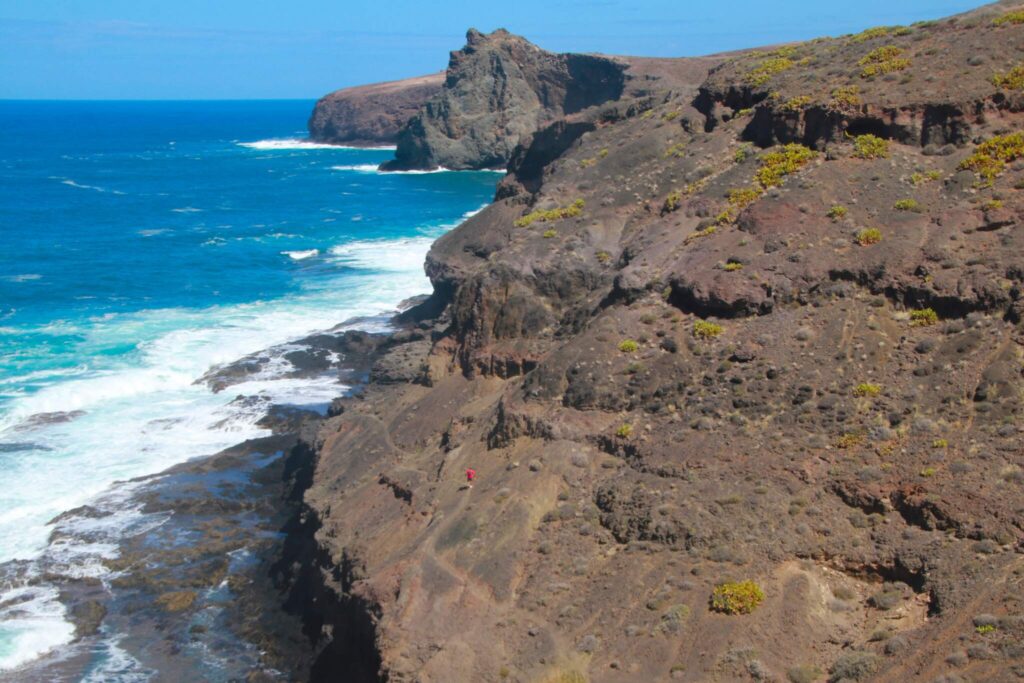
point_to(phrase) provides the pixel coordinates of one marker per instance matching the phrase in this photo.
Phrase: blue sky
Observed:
(301, 49)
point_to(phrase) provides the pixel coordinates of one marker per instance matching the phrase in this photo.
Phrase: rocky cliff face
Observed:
(765, 329)
(498, 89)
(371, 114)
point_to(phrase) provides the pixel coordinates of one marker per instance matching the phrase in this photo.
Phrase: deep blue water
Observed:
(143, 242)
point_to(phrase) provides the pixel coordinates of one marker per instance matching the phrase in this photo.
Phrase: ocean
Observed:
(141, 244)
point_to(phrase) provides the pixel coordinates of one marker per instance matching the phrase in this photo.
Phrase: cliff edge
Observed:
(740, 367)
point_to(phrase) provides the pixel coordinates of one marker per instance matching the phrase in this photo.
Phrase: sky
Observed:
(255, 49)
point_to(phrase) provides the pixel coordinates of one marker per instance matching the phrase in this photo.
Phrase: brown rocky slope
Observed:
(764, 329)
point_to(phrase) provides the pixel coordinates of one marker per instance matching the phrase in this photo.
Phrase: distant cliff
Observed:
(371, 114)
(499, 89)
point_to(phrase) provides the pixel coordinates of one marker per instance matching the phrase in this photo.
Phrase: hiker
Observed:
(470, 476)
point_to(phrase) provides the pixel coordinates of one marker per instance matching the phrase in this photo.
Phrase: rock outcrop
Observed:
(765, 327)
(371, 115)
(498, 89)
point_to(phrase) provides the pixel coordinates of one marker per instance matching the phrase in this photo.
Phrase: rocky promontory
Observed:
(370, 115)
(738, 361)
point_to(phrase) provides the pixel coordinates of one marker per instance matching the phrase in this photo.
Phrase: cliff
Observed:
(762, 329)
(371, 115)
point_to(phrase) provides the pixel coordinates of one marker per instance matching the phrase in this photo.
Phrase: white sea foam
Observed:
(301, 254)
(300, 143)
(24, 277)
(187, 209)
(147, 413)
(359, 168)
(82, 186)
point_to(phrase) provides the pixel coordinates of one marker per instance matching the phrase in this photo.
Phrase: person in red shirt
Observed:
(470, 476)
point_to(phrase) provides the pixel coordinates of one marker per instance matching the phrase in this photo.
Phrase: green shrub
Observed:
(778, 164)
(1015, 17)
(870, 146)
(804, 673)
(924, 317)
(837, 212)
(741, 597)
(866, 389)
(628, 346)
(603, 257)
(732, 266)
(742, 153)
(671, 116)
(603, 153)
(548, 234)
(869, 236)
(922, 178)
(706, 232)
(883, 60)
(624, 431)
(991, 157)
(928, 472)
(871, 33)
(795, 104)
(768, 68)
(672, 202)
(587, 163)
(908, 205)
(744, 197)
(1011, 80)
(940, 443)
(571, 211)
(849, 440)
(985, 629)
(855, 666)
(702, 329)
(846, 96)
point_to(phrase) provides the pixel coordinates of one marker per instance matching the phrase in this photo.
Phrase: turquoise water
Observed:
(143, 243)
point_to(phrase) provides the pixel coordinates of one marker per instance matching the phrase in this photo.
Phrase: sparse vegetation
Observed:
(540, 216)
(922, 178)
(908, 205)
(672, 201)
(603, 257)
(780, 163)
(1015, 17)
(706, 232)
(795, 104)
(741, 198)
(854, 666)
(871, 33)
(928, 472)
(883, 60)
(984, 629)
(869, 236)
(624, 431)
(804, 673)
(923, 317)
(846, 96)
(940, 443)
(992, 205)
(548, 234)
(866, 389)
(743, 153)
(740, 597)
(587, 163)
(837, 212)
(849, 440)
(671, 115)
(677, 150)
(732, 266)
(603, 153)
(1011, 80)
(870, 146)
(628, 346)
(768, 68)
(991, 157)
(702, 329)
